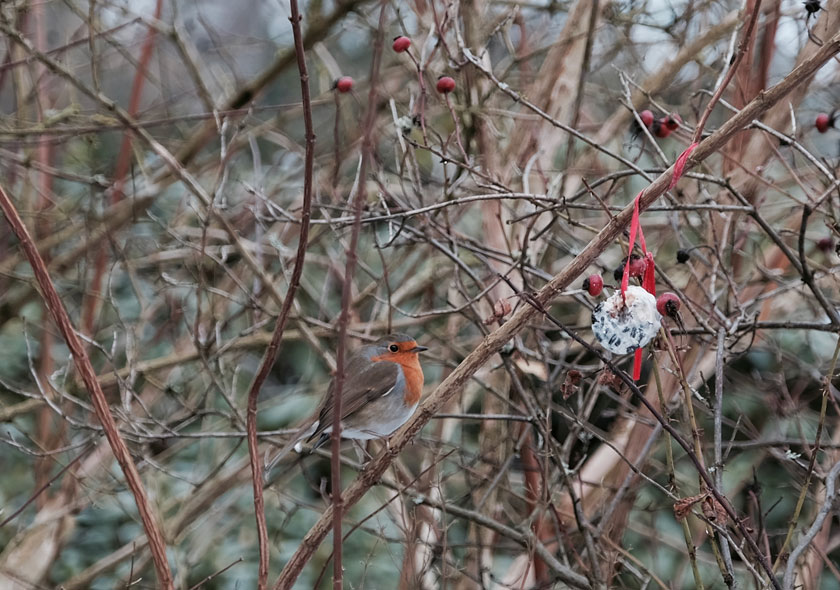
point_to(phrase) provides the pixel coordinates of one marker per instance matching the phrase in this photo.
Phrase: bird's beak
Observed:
(419, 349)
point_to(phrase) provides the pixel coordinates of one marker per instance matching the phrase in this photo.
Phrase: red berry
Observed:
(823, 122)
(647, 118)
(637, 267)
(344, 84)
(672, 121)
(594, 284)
(445, 85)
(668, 305)
(825, 244)
(401, 44)
(660, 129)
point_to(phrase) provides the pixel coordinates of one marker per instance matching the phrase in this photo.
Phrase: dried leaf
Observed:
(611, 380)
(500, 309)
(683, 507)
(570, 385)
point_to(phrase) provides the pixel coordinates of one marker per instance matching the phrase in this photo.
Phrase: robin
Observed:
(382, 387)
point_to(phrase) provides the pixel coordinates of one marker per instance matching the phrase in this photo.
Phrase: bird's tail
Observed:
(304, 432)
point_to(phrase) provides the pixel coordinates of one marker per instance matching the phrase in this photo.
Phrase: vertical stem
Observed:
(672, 478)
(49, 434)
(358, 200)
(689, 405)
(92, 304)
(728, 576)
(286, 308)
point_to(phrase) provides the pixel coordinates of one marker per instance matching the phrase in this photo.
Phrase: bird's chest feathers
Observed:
(412, 372)
(413, 383)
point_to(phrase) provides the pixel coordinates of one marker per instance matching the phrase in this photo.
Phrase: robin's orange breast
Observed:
(412, 371)
(413, 382)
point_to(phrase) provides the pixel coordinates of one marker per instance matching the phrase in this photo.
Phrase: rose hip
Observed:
(594, 284)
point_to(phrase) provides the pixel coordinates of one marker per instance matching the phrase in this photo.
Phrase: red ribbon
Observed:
(649, 277)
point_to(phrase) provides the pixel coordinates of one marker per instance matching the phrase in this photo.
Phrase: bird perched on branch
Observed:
(382, 387)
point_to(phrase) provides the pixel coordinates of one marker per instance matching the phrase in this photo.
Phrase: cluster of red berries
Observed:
(661, 127)
(401, 44)
(667, 304)
(825, 121)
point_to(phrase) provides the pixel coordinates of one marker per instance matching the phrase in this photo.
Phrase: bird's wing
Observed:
(364, 382)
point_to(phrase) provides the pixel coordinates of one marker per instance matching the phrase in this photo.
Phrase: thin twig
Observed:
(739, 55)
(43, 487)
(728, 575)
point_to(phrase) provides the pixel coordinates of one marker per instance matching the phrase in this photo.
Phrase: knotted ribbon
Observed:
(649, 277)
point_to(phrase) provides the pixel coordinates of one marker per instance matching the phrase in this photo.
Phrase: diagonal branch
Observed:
(100, 405)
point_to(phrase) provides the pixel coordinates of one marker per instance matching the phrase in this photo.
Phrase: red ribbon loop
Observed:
(649, 276)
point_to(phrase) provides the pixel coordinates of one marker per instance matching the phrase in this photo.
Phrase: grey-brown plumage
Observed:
(382, 387)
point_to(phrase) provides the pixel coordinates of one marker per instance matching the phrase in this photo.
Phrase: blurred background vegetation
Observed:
(460, 188)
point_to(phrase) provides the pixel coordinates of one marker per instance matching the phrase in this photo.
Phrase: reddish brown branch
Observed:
(285, 310)
(92, 304)
(48, 434)
(53, 302)
(739, 55)
(346, 291)
(533, 492)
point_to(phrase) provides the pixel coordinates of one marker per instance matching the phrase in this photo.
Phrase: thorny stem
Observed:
(276, 338)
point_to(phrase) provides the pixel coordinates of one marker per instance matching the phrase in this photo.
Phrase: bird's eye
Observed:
(394, 348)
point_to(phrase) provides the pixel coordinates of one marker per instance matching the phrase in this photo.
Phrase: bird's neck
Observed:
(413, 380)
